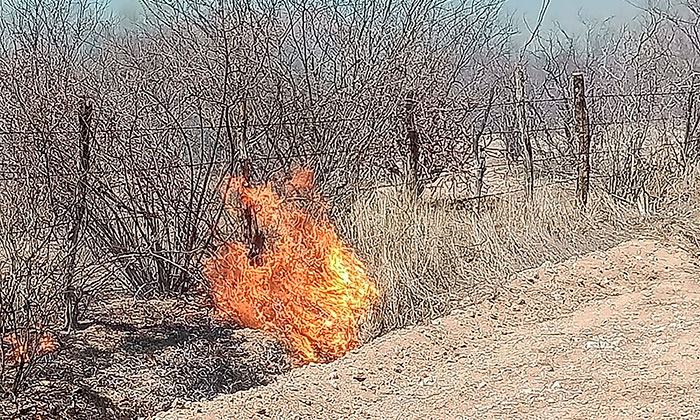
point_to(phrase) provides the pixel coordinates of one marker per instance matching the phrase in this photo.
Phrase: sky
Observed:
(566, 12)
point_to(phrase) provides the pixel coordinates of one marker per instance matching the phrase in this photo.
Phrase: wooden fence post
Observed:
(243, 157)
(479, 154)
(413, 146)
(72, 294)
(690, 127)
(583, 138)
(254, 236)
(520, 110)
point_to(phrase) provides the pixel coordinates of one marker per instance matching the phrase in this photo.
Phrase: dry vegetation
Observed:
(115, 138)
(432, 258)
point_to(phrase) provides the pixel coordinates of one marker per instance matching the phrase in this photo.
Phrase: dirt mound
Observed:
(608, 335)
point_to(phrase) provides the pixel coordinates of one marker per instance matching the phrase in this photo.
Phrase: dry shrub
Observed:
(430, 258)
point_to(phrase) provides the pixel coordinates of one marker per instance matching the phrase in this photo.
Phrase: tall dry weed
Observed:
(430, 258)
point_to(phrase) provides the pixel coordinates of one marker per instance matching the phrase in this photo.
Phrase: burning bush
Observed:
(24, 348)
(305, 285)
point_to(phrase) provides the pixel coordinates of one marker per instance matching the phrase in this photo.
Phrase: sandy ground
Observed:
(607, 335)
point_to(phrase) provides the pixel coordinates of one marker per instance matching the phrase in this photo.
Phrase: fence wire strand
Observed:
(12, 171)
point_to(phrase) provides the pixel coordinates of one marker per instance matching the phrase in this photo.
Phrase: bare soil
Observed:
(612, 334)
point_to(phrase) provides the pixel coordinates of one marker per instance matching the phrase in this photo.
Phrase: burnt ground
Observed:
(609, 335)
(139, 357)
(606, 335)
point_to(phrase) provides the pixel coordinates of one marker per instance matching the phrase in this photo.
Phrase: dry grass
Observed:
(431, 258)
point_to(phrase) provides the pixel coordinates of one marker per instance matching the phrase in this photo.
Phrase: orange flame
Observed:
(21, 351)
(307, 286)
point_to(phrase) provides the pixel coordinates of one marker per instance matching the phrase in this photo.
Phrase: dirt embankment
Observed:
(608, 335)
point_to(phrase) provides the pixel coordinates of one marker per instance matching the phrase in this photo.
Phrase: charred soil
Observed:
(607, 335)
(138, 357)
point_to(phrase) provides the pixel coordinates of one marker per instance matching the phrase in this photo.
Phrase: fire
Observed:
(22, 350)
(306, 285)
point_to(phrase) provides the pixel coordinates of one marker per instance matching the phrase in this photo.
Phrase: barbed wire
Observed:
(220, 204)
(134, 215)
(13, 176)
(189, 127)
(605, 151)
(638, 95)
(142, 171)
(566, 99)
(312, 121)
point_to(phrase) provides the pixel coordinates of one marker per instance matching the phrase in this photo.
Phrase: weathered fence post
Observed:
(479, 154)
(254, 235)
(583, 138)
(413, 146)
(243, 158)
(520, 110)
(690, 127)
(72, 294)
(480, 166)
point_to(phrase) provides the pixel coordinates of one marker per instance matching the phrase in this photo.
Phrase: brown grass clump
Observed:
(430, 258)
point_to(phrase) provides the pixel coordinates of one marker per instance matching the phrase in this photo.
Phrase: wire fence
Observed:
(144, 204)
(497, 144)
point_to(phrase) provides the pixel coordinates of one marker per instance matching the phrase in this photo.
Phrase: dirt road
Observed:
(607, 335)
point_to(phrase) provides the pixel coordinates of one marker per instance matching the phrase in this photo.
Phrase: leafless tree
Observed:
(116, 139)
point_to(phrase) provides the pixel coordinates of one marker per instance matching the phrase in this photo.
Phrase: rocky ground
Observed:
(613, 334)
